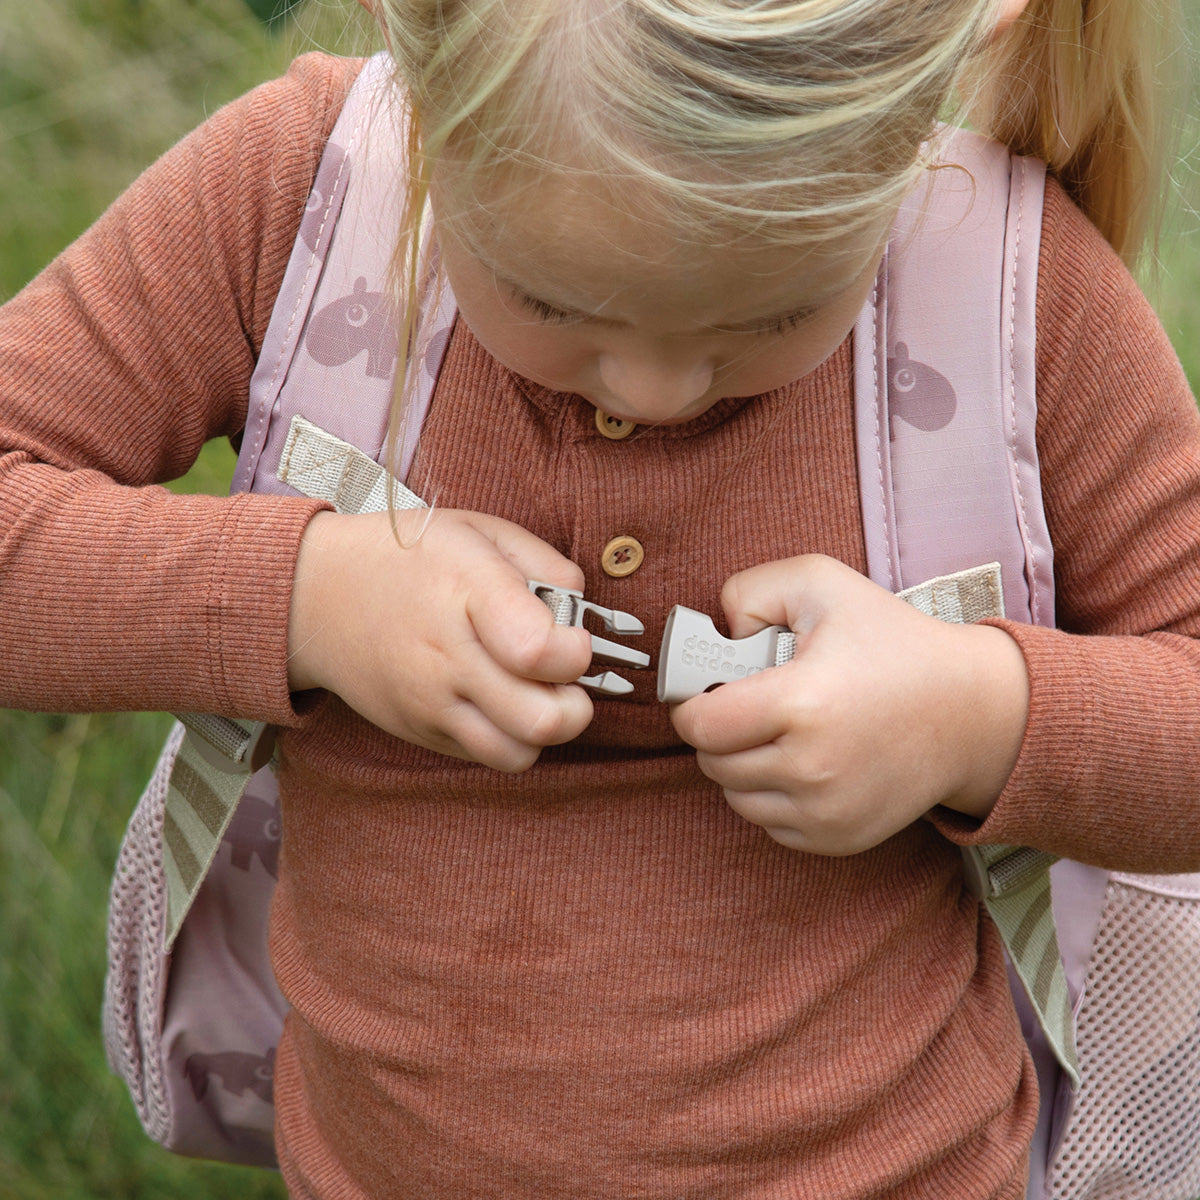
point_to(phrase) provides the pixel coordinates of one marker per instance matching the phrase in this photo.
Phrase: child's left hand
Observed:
(883, 714)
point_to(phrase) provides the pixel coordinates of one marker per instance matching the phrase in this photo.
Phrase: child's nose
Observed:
(654, 387)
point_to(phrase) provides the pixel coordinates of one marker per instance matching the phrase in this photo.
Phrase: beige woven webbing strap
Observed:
(324, 467)
(212, 767)
(1015, 885)
(962, 598)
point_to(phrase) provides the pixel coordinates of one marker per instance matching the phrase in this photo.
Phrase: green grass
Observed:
(90, 91)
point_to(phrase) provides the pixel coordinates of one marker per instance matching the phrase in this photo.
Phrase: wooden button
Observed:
(622, 556)
(613, 427)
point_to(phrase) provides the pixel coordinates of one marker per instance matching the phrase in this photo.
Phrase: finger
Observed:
(756, 598)
(518, 631)
(533, 558)
(741, 715)
(760, 768)
(541, 714)
(469, 734)
(770, 810)
(798, 829)
(794, 592)
(535, 713)
(798, 826)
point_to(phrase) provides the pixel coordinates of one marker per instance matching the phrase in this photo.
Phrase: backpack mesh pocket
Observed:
(1134, 1130)
(136, 981)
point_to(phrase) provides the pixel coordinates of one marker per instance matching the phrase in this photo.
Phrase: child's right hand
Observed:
(438, 640)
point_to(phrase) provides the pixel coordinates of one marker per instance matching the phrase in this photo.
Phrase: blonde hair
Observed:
(1093, 89)
(785, 119)
(764, 115)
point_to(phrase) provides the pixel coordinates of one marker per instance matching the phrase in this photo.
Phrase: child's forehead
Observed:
(558, 227)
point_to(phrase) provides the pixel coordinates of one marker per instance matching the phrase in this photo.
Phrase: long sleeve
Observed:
(117, 363)
(1109, 771)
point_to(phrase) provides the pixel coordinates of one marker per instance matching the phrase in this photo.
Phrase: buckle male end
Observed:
(569, 607)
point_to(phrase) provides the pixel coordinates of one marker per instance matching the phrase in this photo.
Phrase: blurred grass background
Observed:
(90, 92)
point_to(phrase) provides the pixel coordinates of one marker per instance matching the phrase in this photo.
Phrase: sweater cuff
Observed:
(251, 589)
(1029, 811)
(1100, 775)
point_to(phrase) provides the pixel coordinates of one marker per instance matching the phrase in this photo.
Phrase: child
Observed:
(536, 947)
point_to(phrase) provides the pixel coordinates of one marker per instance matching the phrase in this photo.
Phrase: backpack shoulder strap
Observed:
(330, 354)
(949, 329)
(331, 350)
(946, 408)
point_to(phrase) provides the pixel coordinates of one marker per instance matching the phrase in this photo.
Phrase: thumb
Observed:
(532, 557)
(511, 622)
(794, 592)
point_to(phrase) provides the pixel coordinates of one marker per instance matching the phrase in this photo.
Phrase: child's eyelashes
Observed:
(782, 324)
(551, 315)
(547, 312)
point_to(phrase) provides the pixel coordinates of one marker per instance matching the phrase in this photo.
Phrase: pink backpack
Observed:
(1105, 967)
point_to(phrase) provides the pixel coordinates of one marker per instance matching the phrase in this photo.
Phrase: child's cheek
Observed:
(559, 358)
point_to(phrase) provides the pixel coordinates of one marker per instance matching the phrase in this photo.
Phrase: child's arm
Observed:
(882, 714)
(432, 634)
(116, 364)
(1108, 770)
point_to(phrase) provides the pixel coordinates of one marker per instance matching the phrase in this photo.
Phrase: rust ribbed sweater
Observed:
(592, 979)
